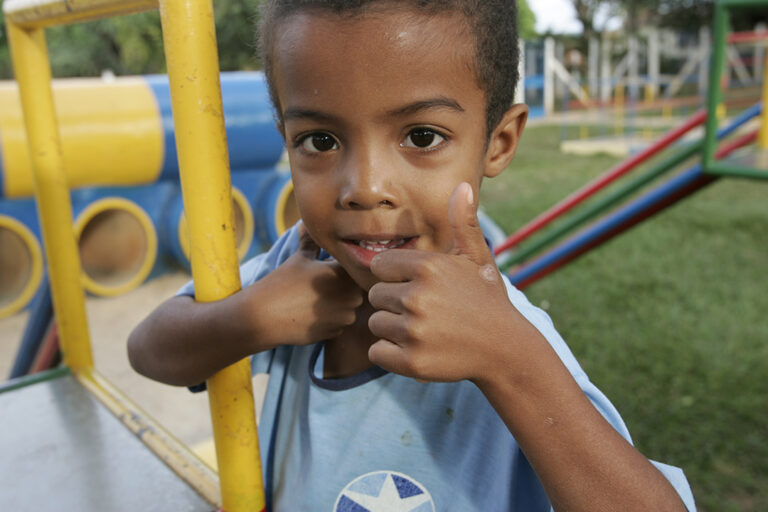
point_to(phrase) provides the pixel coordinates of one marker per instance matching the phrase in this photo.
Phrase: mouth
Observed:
(365, 248)
(381, 245)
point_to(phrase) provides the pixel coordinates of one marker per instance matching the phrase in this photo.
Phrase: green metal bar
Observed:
(35, 378)
(715, 93)
(742, 3)
(738, 171)
(602, 205)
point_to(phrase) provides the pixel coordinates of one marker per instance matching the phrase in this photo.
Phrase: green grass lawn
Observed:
(670, 319)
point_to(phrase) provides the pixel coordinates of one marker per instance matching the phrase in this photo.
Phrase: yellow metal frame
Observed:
(189, 38)
(47, 13)
(172, 451)
(239, 199)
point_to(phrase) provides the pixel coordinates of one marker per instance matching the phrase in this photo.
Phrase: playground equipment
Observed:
(76, 400)
(739, 157)
(747, 166)
(132, 225)
(21, 257)
(202, 153)
(131, 117)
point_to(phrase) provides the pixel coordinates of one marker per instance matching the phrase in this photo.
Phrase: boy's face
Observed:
(383, 118)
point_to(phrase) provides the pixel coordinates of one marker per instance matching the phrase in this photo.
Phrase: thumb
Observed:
(307, 245)
(467, 236)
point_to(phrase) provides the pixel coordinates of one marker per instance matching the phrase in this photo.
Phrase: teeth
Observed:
(380, 245)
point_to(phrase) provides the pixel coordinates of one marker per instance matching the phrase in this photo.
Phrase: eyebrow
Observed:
(430, 104)
(406, 110)
(303, 113)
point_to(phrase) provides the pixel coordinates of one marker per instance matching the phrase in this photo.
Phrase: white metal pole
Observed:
(605, 71)
(704, 53)
(549, 76)
(594, 67)
(520, 89)
(654, 62)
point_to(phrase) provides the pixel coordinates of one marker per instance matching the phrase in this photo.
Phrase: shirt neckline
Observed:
(342, 384)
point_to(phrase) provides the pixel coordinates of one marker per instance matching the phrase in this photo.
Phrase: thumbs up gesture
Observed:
(439, 316)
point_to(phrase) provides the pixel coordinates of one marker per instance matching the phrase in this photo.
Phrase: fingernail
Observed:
(470, 195)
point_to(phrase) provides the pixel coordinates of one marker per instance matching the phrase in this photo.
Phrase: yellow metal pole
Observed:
(46, 13)
(762, 141)
(619, 101)
(650, 97)
(193, 72)
(33, 74)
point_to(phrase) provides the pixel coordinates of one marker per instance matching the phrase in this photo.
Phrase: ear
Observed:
(502, 143)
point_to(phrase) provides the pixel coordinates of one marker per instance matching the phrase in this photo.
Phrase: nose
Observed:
(366, 182)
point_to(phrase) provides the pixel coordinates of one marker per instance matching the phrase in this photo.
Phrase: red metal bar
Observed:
(700, 183)
(48, 352)
(746, 37)
(603, 181)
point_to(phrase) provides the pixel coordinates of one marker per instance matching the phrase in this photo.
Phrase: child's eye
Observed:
(318, 143)
(422, 138)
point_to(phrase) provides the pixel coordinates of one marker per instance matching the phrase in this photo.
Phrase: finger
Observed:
(387, 297)
(468, 237)
(307, 244)
(388, 355)
(398, 265)
(388, 325)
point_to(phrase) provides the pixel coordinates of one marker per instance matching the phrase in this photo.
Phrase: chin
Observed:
(365, 282)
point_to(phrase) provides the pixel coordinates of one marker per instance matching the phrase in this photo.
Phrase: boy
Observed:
(405, 372)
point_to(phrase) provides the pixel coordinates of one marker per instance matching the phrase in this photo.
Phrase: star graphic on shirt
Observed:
(396, 493)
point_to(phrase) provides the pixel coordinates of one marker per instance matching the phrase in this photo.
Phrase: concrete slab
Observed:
(62, 450)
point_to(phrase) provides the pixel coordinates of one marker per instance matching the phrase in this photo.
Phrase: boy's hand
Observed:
(440, 316)
(310, 300)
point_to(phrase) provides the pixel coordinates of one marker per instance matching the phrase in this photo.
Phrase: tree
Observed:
(585, 13)
(682, 14)
(129, 45)
(526, 20)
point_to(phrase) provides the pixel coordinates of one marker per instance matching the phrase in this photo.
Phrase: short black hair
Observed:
(493, 24)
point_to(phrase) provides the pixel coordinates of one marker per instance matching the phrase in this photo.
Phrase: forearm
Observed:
(582, 461)
(184, 342)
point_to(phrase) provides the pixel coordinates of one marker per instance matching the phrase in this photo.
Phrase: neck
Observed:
(347, 354)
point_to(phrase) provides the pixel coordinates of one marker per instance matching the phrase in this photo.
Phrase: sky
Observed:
(558, 16)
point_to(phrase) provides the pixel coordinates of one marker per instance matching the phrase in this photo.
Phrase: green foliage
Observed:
(526, 20)
(685, 15)
(130, 45)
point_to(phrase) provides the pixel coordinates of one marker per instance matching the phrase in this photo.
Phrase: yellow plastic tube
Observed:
(117, 242)
(21, 265)
(97, 120)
